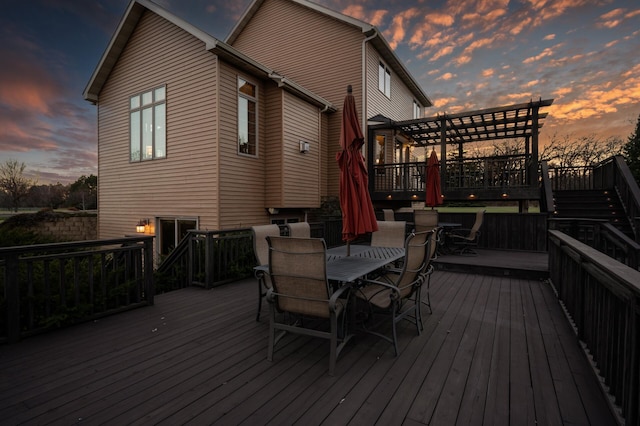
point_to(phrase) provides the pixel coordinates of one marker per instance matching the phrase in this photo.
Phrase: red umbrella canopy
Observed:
(434, 194)
(358, 216)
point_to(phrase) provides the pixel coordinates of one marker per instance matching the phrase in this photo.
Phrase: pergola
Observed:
(506, 122)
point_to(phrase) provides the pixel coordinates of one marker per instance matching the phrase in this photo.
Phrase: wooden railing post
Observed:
(149, 285)
(12, 293)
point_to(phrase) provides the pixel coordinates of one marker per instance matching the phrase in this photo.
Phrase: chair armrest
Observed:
(395, 290)
(459, 232)
(336, 295)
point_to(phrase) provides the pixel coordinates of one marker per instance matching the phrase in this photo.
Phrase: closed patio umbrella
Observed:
(434, 193)
(358, 216)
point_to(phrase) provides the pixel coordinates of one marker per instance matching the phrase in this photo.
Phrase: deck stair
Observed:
(592, 204)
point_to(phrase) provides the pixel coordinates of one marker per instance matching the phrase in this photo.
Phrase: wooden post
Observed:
(12, 292)
(149, 284)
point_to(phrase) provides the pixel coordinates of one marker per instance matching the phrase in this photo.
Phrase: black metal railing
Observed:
(52, 285)
(602, 298)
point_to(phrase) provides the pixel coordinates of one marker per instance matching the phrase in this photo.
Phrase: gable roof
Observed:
(127, 26)
(369, 31)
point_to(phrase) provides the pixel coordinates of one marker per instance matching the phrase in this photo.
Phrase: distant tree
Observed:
(13, 182)
(52, 196)
(564, 151)
(631, 152)
(83, 193)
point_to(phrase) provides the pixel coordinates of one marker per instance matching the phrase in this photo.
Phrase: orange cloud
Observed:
(545, 53)
(488, 72)
(446, 76)
(373, 17)
(397, 30)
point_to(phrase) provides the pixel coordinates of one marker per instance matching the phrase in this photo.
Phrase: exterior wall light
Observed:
(304, 147)
(472, 196)
(141, 227)
(505, 195)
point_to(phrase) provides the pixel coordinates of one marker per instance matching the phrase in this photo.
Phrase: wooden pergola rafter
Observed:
(514, 121)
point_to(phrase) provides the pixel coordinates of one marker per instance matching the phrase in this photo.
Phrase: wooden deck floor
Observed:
(495, 351)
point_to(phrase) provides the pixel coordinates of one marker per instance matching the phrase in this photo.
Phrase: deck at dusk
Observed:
(496, 351)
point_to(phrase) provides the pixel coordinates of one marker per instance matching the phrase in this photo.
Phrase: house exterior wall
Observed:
(203, 177)
(318, 52)
(400, 105)
(324, 55)
(184, 184)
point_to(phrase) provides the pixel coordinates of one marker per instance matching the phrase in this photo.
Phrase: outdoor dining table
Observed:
(362, 261)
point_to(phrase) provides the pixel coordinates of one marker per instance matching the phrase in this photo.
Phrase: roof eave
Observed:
(367, 30)
(127, 25)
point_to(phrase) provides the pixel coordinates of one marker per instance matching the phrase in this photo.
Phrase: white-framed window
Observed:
(147, 125)
(417, 110)
(384, 80)
(247, 117)
(171, 230)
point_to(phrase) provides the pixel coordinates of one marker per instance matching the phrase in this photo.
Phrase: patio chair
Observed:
(298, 271)
(389, 234)
(389, 215)
(299, 229)
(428, 267)
(463, 240)
(425, 220)
(397, 293)
(261, 252)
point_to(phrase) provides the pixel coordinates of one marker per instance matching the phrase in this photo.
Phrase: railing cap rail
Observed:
(16, 250)
(623, 274)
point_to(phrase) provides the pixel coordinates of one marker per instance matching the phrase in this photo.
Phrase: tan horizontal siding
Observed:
(301, 184)
(242, 178)
(272, 148)
(184, 183)
(320, 53)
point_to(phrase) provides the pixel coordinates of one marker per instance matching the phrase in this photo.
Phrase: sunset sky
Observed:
(467, 55)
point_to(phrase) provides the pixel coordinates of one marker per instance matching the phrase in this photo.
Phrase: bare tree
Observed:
(566, 151)
(13, 182)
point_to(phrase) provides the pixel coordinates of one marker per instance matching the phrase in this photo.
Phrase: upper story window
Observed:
(147, 112)
(384, 80)
(247, 117)
(417, 110)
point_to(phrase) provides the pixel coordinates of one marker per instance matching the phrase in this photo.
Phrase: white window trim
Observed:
(384, 79)
(257, 103)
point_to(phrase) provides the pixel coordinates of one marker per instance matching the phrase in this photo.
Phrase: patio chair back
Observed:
(416, 258)
(389, 215)
(299, 229)
(476, 225)
(389, 234)
(260, 245)
(298, 270)
(425, 220)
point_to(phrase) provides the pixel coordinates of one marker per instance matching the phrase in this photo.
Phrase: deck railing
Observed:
(497, 172)
(602, 298)
(601, 235)
(612, 173)
(213, 258)
(50, 285)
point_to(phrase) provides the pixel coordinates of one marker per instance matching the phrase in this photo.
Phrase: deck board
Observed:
(496, 350)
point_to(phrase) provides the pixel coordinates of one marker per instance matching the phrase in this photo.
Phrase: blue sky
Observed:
(467, 55)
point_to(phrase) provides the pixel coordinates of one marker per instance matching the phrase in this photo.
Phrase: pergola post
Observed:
(443, 155)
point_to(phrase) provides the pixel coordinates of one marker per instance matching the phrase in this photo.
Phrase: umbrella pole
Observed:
(348, 248)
